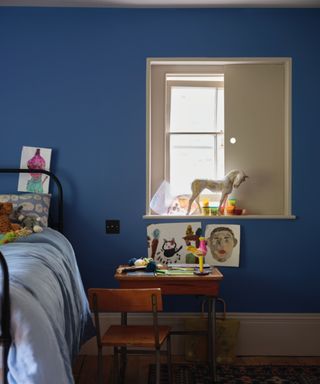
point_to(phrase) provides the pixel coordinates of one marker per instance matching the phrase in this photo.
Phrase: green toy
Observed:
(7, 237)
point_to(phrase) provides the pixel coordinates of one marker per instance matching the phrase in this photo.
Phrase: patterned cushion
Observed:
(34, 204)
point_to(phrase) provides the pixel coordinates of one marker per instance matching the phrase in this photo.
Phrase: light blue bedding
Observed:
(50, 318)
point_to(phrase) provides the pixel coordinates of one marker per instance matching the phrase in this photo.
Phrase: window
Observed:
(195, 130)
(206, 117)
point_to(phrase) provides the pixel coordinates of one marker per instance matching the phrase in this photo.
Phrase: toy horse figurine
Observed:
(232, 180)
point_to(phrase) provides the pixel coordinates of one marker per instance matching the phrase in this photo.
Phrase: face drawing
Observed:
(221, 243)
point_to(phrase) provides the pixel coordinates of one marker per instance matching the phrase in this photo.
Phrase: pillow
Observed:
(34, 204)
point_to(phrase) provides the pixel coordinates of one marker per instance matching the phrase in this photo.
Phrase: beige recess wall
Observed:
(255, 116)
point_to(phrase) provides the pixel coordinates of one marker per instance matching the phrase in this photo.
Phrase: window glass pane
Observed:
(191, 157)
(193, 109)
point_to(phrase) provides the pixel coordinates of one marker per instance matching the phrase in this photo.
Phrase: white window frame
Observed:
(152, 63)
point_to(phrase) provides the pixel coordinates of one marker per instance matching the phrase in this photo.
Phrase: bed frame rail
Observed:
(5, 337)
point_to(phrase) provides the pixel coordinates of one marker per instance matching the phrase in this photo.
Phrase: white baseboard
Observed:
(261, 334)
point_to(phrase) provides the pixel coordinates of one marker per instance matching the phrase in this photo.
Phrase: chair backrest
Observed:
(125, 300)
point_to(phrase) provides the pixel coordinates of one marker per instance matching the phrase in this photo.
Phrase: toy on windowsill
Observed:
(230, 206)
(233, 209)
(200, 254)
(239, 211)
(206, 207)
(232, 180)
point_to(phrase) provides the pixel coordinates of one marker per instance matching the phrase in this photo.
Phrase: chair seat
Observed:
(133, 336)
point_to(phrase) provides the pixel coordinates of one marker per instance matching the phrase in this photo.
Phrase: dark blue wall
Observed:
(74, 80)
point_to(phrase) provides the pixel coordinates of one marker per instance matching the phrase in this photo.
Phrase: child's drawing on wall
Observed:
(154, 242)
(224, 244)
(34, 158)
(192, 237)
(167, 242)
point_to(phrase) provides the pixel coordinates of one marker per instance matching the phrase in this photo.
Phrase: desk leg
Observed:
(212, 337)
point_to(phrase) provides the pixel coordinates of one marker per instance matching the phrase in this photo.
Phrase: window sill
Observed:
(226, 217)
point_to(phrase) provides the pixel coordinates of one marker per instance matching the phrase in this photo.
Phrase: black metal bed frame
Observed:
(5, 337)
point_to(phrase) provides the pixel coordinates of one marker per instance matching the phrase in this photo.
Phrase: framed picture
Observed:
(34, 158)
(167, 243)
(223, 244)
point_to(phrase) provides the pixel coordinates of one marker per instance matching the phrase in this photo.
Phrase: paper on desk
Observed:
(140, 273)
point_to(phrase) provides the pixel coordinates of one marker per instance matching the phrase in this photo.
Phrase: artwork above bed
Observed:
(34, 158)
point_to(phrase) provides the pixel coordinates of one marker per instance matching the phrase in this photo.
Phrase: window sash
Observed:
(168, 134)
(211, 149)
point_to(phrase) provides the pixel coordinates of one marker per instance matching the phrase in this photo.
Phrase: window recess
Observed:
(206, 117)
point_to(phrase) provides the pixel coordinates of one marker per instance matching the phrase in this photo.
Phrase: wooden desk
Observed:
(207, 286)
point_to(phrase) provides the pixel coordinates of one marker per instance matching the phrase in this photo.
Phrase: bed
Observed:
(45, 316)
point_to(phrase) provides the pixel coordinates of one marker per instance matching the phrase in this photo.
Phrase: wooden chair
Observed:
(149, 338)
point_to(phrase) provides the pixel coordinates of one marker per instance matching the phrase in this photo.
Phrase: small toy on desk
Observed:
(199, 253)
(142, 261)
(152, 266)
(149, 264)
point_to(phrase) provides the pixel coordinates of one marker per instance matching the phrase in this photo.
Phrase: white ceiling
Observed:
(165, 3)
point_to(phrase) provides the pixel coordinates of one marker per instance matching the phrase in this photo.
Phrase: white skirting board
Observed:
(261, 334)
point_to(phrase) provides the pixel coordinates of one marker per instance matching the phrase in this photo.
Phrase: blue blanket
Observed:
(50, 318)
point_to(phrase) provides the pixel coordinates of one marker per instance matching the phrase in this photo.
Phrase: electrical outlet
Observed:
(113, 226)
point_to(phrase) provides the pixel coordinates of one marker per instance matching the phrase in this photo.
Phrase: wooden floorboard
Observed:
(85, 368)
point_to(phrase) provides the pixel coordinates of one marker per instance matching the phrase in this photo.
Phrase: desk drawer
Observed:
(205, 287)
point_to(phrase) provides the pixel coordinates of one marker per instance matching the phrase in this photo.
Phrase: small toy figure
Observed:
(33, 223)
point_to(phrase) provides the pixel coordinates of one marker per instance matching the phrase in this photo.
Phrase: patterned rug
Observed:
(198, 374)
